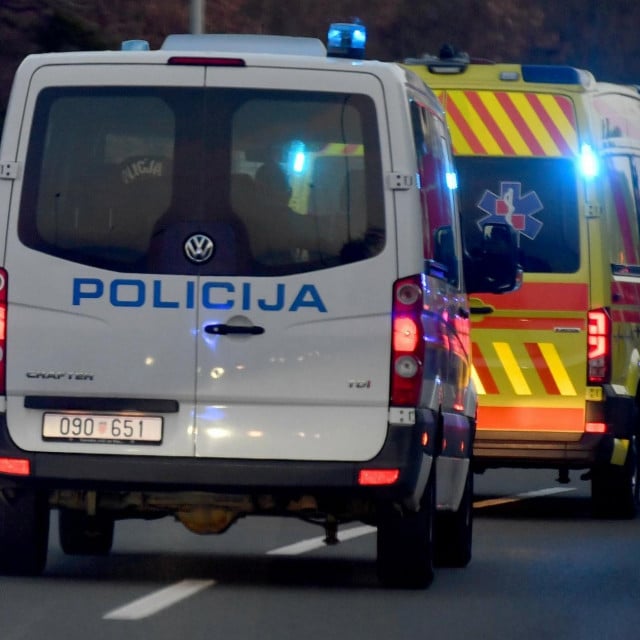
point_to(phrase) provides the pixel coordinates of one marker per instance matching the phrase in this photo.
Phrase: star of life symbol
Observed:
(512, 207)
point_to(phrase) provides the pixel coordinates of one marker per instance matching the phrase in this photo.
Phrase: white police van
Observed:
(177, 340)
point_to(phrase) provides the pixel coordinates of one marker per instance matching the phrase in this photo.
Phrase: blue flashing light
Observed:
(134, 45)
(589, 165)
(452, 180)
(298, 162)
(551, 74)
(346, 40)
(297, 157)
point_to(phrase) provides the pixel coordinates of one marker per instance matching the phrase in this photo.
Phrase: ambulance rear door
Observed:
(517, 159)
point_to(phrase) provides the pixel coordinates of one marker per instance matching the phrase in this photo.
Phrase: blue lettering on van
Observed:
(127, 293)
(223, 296)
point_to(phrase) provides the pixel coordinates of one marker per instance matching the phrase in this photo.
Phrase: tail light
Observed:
(407, 346)
(3, 330)
(598, 346)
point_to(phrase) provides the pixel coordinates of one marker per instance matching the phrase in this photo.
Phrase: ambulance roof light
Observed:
(134, 45)
(346, 40)
(556, 74)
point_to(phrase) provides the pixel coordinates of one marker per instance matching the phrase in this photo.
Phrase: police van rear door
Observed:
(293, 352)
(100, 332)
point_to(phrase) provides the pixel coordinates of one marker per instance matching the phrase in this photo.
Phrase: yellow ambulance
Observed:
(557, 363)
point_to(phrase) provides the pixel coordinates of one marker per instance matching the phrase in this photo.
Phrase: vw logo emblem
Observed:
(199, 248)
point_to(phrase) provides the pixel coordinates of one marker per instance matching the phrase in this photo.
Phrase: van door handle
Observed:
(230, 329)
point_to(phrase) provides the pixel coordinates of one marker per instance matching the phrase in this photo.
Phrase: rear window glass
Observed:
(279, 181)
(536, 196)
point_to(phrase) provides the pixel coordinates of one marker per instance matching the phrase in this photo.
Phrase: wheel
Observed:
(82, 534)
(454, 531)
(405, 543)
(24, 532)
(614, 488)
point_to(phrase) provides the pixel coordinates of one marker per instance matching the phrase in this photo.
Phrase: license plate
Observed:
(87, 427)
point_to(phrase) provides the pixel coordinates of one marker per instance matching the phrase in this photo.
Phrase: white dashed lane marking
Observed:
(164, 598)
(158, 600)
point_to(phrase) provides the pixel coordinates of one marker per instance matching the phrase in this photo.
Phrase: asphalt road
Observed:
(541, 568)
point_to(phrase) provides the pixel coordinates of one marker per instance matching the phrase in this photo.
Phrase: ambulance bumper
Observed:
(544, 449)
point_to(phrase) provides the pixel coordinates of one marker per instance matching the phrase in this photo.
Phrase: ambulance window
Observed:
(536, 196)
(622, 226)
(437, 197)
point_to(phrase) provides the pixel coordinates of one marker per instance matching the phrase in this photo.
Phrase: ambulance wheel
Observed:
(24, 532)
(454, 531)
(85, 535)
(405, 543)
(614, 488)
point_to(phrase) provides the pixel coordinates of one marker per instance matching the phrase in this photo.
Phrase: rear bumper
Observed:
(403, 450)
(494, 453)
(546, 449)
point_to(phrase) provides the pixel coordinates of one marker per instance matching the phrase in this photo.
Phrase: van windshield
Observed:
(260, 182)
(537, 196)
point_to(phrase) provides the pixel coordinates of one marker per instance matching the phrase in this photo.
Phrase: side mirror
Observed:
(493, 267)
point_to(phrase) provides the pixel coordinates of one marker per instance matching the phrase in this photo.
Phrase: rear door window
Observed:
(536, 196)
(281, 181)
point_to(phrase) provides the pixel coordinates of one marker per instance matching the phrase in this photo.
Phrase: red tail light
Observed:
(15, 466)
(407, 345)
(377, 477)
(598, 346)
(3, 330)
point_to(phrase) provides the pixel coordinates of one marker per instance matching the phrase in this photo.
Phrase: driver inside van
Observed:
(278, 234)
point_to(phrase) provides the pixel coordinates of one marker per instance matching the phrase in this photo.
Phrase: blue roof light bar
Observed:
(346, 40)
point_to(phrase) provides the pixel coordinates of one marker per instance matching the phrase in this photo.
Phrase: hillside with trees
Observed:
(593, 34)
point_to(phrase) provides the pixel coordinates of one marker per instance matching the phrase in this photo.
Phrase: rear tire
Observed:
(614, 489)
(454, 531)
(85, 535)
(24, 532)
(405, 543)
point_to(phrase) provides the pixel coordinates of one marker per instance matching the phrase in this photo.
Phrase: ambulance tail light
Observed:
(3, 330)
(407, 342)
(598, 346)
